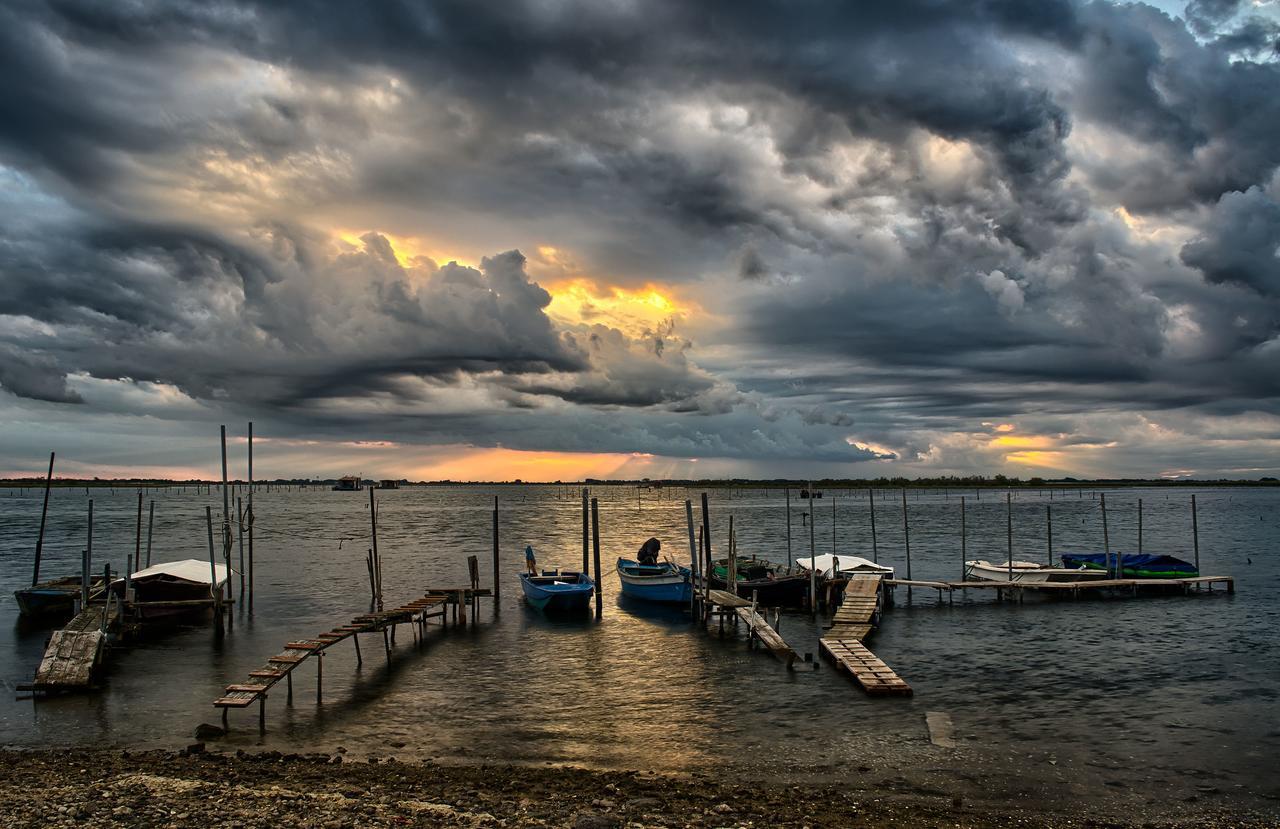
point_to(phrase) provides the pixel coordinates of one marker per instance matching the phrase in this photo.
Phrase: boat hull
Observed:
(37, 602)
(662, 583)
(787, 591)
(558, 592)
(987, 571)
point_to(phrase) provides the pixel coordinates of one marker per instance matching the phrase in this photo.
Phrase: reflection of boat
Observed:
(348, 483)
(1028, 572)
(175, 587)
(555, 591)
(1134, 565)
(764, 580)
(56, 597)
(662, 582)
(844, 566)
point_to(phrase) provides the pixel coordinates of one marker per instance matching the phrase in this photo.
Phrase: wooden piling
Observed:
(875, 547)
(86, 563)
(240, 540)
(963, 551)
(1106, 535)
(595, 545)
(497, 581)
(787, 493)
(151, 519)
(586, 540)
(1048, 523)
(213, 570)
(250, 516)
(693, 556)
(377, 562)
(1008, 514)
(1139, 526)
(833, 526)
(1195, 531)
(226, 513)
(906, 537)
(813, 558)
(44, 511)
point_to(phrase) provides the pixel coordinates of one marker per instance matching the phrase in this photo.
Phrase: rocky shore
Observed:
(196, 787)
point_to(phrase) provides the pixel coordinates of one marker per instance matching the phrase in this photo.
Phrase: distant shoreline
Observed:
(845, 484)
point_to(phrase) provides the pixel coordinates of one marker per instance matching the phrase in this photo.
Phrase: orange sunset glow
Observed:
(499, 464)
(585, 301)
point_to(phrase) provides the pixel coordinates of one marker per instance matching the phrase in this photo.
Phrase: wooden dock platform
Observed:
(856, 617)
(723, 603)
(435, 603)
(76, 651)
(1072, 589)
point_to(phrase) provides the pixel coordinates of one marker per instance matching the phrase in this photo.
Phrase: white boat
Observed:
(827, 564)
(1027, 572)
(175, 587)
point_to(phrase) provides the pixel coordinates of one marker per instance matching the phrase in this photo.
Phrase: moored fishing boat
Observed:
(1134, 565)
(762, 580)
(175, 587)
(661, 582)
(1027, 572)
(557, 592)
(56, 597)
(831, 566)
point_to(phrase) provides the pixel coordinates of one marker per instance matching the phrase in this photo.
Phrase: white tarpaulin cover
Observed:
(190, 570)
(848, 564)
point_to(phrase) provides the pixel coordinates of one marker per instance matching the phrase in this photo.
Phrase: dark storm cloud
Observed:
(911, 203)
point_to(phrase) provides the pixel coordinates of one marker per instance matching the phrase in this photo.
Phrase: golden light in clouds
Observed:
(406, 248)
(472, 464)
(1023, 442)
(585, 301)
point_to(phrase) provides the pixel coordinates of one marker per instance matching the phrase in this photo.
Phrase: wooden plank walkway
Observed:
(436, 603)
(763, 631)
(75, 651)
(850, 624)
(1074, 587)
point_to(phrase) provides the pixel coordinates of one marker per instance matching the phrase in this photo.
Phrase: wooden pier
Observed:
(435, 603)
(1073, 589)
(76, 651)
(856, 617)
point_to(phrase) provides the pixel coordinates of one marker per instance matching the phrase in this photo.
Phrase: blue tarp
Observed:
(1144, 565)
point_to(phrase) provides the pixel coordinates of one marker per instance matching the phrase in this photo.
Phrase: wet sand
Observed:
(199, 787)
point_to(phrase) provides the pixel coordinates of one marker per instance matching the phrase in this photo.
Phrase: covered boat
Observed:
(1028, 572)
(1134, 565)
(175, 587)
(828, 566)
(661, 582)
(769, 583)
(554, 591)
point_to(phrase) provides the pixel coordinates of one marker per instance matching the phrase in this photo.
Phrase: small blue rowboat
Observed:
(558, 592)
(664, 582)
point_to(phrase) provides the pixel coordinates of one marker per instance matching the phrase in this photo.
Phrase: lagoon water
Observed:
(1153, 702)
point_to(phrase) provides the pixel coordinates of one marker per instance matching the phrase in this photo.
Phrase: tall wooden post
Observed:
(1106, 536)
(226, 513)
(595, 544)
(377, 561)
(1008, 515)
(586, 535)
(86, 562)
(497, 589)
(1194, 531)
(906, 537)
(705, 538)
(214, 590)
(833, 525)
(44, 511)
(250, 516)
(240, 540)
(787, 492)
(964, 553)
(137, 535)
(875, 547)
(1139, 526)
(1048, 523)
(151, 520)
(693, 556)
(813, 558)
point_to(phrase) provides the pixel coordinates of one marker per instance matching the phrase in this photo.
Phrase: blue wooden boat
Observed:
(54, 598)
(662, 582)
(558, 592)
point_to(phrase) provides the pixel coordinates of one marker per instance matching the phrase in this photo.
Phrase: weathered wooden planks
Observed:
(766, 634)
(75, 652)
(867, 669)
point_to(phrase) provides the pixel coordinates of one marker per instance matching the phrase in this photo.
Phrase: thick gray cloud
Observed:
(894, 222)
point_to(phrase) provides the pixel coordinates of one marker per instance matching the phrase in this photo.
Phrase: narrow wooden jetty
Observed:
(856, 617)
(724, 604)
(435, 603)
(76, 651)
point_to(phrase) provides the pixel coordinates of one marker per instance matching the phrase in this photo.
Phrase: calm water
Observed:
(1148, 701)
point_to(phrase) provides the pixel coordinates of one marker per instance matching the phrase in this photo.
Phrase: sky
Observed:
(551, 239)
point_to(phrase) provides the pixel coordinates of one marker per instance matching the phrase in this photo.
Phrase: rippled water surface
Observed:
(1172, 697)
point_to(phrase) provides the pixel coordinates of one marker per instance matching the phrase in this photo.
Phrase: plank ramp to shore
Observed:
(722, 601)
(435, 603)
(842, 643)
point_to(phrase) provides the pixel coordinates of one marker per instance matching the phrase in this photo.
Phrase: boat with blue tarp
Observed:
(1134, 565)
(663, 581)
(558, 592)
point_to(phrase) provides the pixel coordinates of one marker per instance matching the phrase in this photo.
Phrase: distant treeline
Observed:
(949, 482)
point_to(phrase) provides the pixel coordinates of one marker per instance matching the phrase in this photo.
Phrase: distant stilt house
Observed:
(387, 483)
(349, 483)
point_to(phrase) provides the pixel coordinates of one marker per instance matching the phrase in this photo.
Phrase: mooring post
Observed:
(833, 526)
(262, 713)
(875, 548)
(226, 515)
(44, 511)
(693, 558)
(595, 545)
(215, 591)
(240, 540)
(813, 560)
(906, 537)
(289, 679)
(787, 493)
(319, 677)
(151, 520)
(964, 564)
(137, 537)
(355, 637)
(250, 516)
(586, 534)
(497, 590)
(1195, 532)
(1008, 515)
(87, 562)
(1048, 523)
(1106, 536)
(706, 548)
(1139, 526)
(377, 562)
